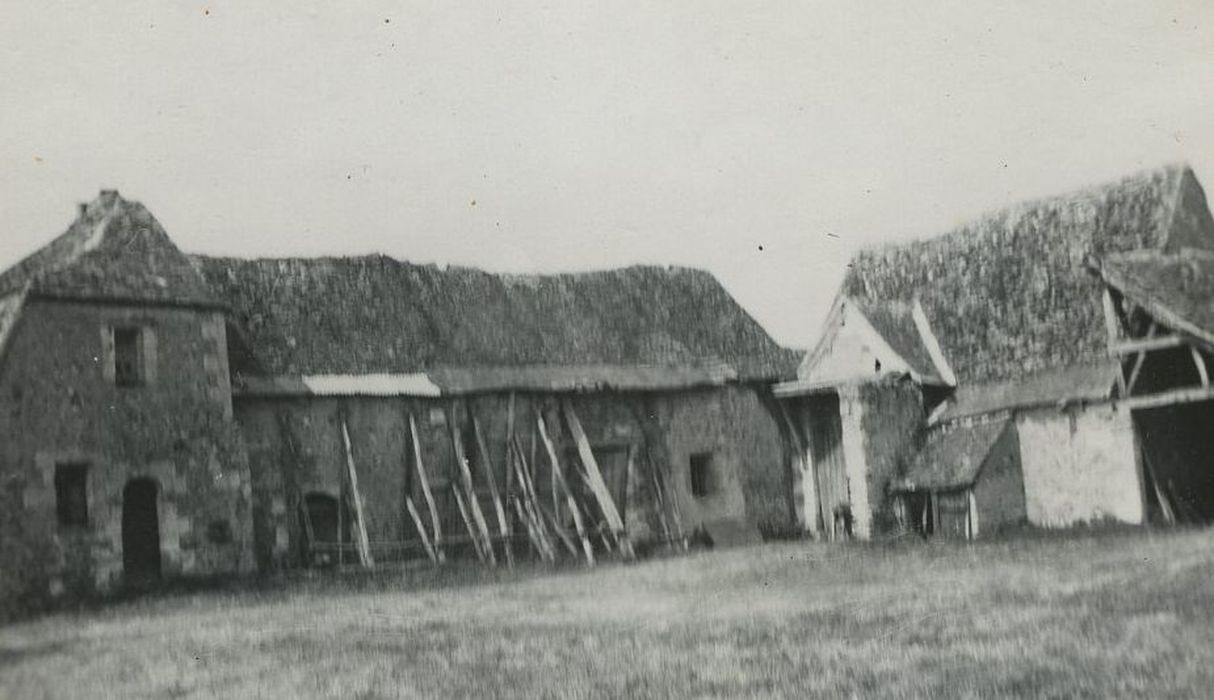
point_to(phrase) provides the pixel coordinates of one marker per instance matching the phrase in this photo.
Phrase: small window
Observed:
(71, 495)
(701, 474)
(128, 357)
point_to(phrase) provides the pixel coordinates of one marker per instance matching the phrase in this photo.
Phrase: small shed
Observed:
(967, 479)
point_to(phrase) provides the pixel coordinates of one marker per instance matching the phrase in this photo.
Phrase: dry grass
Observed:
(1084, 616)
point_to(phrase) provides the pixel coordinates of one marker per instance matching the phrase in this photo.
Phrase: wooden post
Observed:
(435, 523)
(615, 524)
(461, 460)
(463, 511)
(421, 529)
(502, 524)
(1200, 362)
(530, 498)
(363, 543)
(569, 500)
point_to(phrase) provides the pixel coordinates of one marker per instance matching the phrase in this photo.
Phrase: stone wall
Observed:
(59, 404)
(296, 448)
(1079, 466)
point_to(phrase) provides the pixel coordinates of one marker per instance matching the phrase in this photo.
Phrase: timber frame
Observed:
(1137, 334)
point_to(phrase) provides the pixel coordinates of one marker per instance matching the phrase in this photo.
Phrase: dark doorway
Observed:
(140, 533)
(321, 514)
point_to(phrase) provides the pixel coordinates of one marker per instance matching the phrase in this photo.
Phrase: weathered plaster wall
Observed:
(1079, 466)
(851, 412)
(999, 491)
(295, 447)
(891, 417)
(57, 404)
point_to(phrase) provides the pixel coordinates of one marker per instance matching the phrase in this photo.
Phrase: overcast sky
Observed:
(762, 141)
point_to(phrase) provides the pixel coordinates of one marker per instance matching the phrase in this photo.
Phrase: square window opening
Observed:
(128, 357)
(701, 474)
(71, 495)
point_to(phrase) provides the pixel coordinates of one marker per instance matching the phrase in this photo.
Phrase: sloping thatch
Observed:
(951, 457)
(894, 321)
(378, 315)
(1091, 382)
(1008, 295)
(116, 251)
(1176, 288)
(10, 313)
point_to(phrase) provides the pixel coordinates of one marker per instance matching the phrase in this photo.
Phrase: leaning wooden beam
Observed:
(363, 542)
(1161, 342)
(1200, 363)
(421, 529)
(478, 517)
(530, 499)
(472, 533)
(1170, 398)
(1138, 361)
(1112, 320)
(435, 523)
(502, 521)
(615, 523)
(569, 500)
(533, 533)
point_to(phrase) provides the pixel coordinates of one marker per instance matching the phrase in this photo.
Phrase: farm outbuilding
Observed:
(1161, 328)
(166, 415)
(656, 373)
(1000, 319)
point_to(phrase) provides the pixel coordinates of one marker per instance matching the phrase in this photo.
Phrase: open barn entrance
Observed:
(140, 533)
(1178, 461)
(830, 471)
(323, 539)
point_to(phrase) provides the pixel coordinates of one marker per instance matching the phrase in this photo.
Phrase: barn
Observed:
(167, 416)
(998, 320)
(635, 401)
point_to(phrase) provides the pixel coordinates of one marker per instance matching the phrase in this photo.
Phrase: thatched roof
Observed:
(114, 251)
(952, 457)
(1008, 295)
(368, 315)
(1052, 387)
(1177, 289)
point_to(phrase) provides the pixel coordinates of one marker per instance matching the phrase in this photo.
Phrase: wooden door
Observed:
(829, 467)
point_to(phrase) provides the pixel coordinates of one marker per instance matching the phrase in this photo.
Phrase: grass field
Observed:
(1128, 614)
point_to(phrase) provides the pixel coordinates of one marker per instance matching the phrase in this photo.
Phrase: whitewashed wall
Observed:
(1079, 466)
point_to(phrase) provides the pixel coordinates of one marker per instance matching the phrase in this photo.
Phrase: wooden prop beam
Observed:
(363, 542)
(482, 537)
(569, 499)
(472, 533)
(1148, 344)
(435, 523)
(503, 525)
(1138, 362)
(529, 498)
(421, 529)
(1170, 398)
(1200, 363)
(615, 523)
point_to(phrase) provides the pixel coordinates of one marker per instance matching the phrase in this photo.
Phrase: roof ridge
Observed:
(1172, 170)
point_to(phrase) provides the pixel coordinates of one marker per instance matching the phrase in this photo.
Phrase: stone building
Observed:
(166, 415)
(942, 355)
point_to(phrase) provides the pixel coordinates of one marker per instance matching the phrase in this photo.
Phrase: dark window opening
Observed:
(219, 532)
(128, 361)
(701, 474)
(71, 495)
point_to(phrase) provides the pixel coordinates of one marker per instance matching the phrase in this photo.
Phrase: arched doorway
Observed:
(140, 533)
